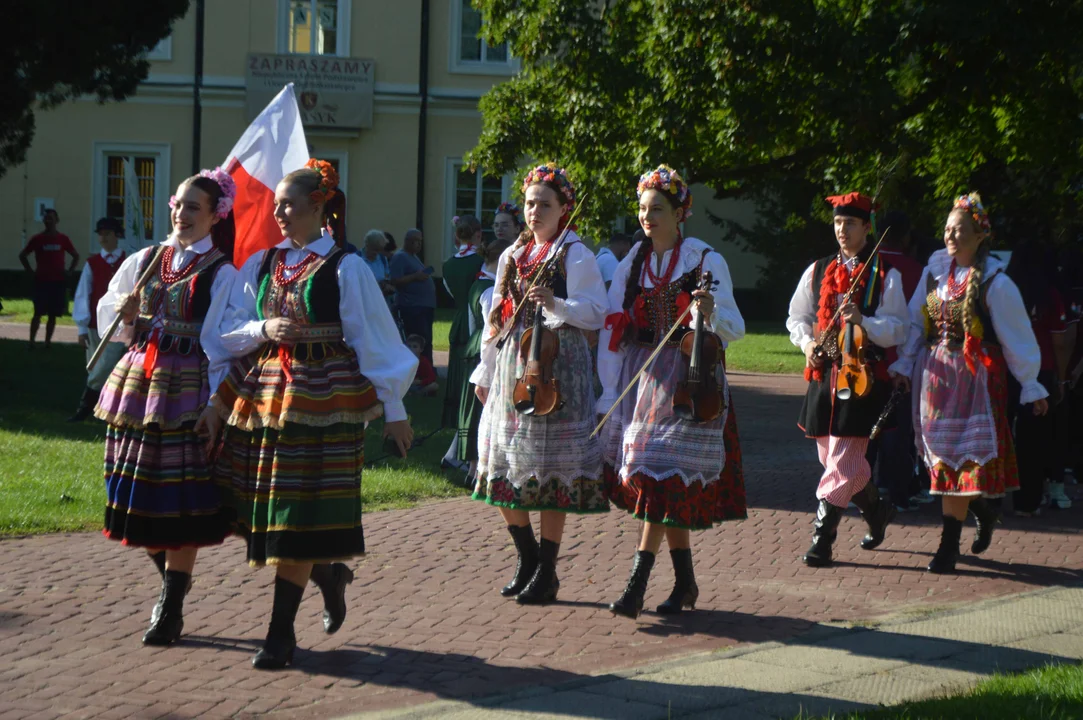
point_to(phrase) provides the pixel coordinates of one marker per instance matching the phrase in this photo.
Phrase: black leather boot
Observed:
(527, 547)
(277, 650)
(826, 529)
(685, 591)
(876, 512)
(332, 580)
(158, 559)
(948, 552)
(86, 405)
(630, 603)
(169, 620)
(543, 584)
(987, 518)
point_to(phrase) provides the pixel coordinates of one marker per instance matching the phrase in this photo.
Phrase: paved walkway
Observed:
(829, 669)
(426, 623)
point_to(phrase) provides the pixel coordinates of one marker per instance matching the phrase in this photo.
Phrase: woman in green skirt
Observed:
(480, 304)
(325, 359)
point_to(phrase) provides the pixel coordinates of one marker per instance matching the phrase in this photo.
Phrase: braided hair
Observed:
(973, 286)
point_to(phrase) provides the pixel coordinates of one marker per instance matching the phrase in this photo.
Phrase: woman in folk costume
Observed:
(841, 425)
(460, 271)
(969, 329)
(672, 473)
(541, 463)
(325, 359)
(160, 495)
(480, 305)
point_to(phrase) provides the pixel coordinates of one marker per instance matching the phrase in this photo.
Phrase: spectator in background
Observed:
(1040, 441)
(50, 295)
(1071, 284)
(609, 257)
(507, 223)
(895, 457)
(373, 255)
(93, 282)
(391, 247)
(415, 293)
(425, 378)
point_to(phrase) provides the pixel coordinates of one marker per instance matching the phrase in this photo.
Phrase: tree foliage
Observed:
(58, 50)
(784, 101)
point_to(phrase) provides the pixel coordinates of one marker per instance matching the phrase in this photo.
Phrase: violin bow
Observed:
(107, 336)
(505, 331)
(853, 286)
(647, 363)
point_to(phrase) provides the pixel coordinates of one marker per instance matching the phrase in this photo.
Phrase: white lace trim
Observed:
(519, 478)
(687, 478)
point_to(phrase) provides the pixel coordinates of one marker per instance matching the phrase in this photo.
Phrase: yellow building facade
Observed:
(77, 161)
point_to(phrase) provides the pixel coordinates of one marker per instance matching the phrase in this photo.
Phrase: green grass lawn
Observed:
(1049, 693)
(51, 471)
(22, 310)
(765, 348)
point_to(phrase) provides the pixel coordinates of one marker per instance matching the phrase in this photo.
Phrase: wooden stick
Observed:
(111, 330)
(645, 364)
(505, 332)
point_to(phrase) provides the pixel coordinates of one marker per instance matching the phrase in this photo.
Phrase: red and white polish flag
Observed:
(272, 146)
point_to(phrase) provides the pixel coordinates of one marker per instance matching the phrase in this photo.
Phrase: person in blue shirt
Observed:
(415, 295)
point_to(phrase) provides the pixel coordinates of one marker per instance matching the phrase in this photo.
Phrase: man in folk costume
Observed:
(841, 427)
(93, 282)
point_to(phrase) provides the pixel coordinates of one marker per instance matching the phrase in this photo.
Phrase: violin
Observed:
(699, 397)
(853, 378)
(536, 391)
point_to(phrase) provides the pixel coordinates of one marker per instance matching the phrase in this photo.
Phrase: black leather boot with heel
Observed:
(685, 591)
(630, 603)
(526, 545)
(278, 648)
(825, 529)
(543, 584)
(169, 614)
(987, 517)
(877, 514)
(332, 580)
(948, 552)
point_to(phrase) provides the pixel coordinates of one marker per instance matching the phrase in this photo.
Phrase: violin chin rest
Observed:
(843, 394)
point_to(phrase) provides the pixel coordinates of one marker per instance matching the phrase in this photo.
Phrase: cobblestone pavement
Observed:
(426, 622)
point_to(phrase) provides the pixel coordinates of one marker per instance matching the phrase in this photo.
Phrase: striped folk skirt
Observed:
(292, 451)
(159, 490)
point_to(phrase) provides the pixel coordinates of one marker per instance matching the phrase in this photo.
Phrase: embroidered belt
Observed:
(184, 336)
(316, 332)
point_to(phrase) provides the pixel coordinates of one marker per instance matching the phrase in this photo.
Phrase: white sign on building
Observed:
(333, 92)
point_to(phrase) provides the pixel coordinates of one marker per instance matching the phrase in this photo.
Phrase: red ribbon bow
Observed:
(285, 357)
(618, 323)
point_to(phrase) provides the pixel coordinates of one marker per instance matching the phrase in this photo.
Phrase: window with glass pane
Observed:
(471, 47)
(115, 189)
(478, 195)
(313, 27)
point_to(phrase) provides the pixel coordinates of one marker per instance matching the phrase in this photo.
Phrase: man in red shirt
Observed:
(50, 297)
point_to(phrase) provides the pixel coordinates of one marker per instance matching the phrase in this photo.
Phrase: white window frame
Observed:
(342, 37)
(452, 166)
(471, 67)
(162, 153)
(163, 51)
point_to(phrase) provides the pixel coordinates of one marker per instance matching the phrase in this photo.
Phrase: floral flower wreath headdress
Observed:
(510, 208)
(667, 180)
(971, 204)
(328, 179)
(229, 191)
(556, 176)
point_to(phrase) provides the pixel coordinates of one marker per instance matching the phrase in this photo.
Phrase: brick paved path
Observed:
(426, 621)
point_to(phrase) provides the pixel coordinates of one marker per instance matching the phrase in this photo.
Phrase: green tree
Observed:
(785, 101)
(57, 50)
